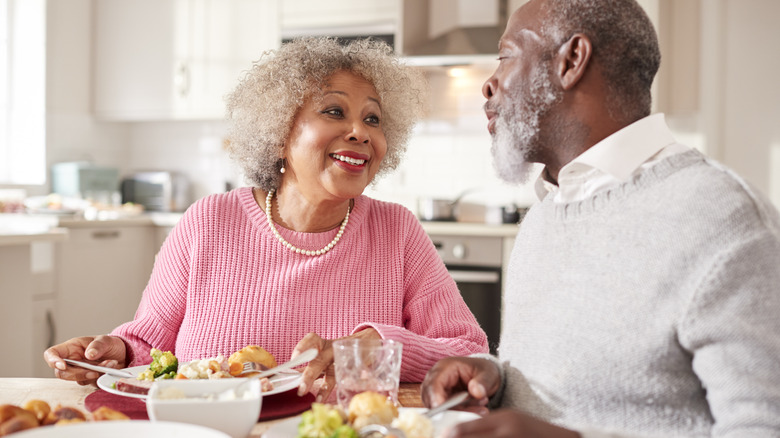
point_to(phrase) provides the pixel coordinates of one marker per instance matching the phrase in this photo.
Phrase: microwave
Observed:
(162, 191)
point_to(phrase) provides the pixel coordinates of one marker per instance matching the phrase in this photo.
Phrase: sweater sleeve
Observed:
(731, 329)
(437, 322)
(159, 315)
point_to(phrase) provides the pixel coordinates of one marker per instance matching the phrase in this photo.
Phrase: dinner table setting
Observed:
(276, 409)
(252, 400)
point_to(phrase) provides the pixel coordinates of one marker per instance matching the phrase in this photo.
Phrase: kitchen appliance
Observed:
(80, 179)
(474, 262)
(431, 209)
(163, 191)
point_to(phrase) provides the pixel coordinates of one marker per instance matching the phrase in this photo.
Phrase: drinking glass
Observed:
(366, 365)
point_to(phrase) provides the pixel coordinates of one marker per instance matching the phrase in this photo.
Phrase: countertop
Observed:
(470, 229)
(13, 237)
(16, 229)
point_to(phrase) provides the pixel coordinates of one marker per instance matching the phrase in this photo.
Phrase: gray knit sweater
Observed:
(651, 309)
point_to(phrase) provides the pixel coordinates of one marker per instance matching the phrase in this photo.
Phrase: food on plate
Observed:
(104, 413)
(371, 408)
(212, 368)
(65, 414)
(14, 419)
(133, 385)
(164, 366)
(365, 408)
(250, 353)
(413, 424)
(40, 408)
(324, 421)
(38, 413)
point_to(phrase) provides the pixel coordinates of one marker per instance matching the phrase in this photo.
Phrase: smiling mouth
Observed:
(348, 160)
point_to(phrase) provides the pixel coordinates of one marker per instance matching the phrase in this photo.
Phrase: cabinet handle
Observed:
(105, 234)
(51, 329)
(182, 79)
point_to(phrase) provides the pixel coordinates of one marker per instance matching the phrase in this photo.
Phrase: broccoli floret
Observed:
(344, 431)
(164, 366)
(163, 363)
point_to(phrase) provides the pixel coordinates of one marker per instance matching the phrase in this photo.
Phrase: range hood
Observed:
(437, 32)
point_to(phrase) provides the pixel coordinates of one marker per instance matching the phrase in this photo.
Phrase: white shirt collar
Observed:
(618, 156)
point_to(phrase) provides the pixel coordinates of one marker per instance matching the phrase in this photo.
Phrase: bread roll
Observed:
(250, 353)
(371, 408)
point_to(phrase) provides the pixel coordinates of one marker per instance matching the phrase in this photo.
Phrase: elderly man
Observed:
(644, 288)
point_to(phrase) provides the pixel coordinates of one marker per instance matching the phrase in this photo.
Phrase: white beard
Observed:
(517, 128)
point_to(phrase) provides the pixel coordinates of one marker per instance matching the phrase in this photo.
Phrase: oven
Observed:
(474, 262)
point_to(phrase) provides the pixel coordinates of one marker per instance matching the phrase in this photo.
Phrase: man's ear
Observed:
(573, 60)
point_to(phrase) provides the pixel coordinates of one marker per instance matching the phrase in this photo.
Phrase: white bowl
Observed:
(228, 405)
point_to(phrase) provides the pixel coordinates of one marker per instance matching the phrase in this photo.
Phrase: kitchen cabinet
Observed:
(27, 310)
(15, 324)
(175, 59)
(102, 270)
(309, 14)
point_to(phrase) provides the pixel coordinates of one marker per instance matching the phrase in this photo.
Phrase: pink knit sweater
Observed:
(223, 281)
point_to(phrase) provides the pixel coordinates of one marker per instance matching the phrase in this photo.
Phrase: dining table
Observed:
(18, 390)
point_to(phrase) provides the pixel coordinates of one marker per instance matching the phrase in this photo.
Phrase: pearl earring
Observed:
(282, 170)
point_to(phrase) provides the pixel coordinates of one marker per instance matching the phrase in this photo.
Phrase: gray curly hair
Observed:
(262, 107)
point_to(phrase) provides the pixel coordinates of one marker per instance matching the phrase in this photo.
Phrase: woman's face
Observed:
(336, 143)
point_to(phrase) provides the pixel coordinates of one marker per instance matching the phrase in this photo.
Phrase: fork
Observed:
(251, 367)
(378, 430)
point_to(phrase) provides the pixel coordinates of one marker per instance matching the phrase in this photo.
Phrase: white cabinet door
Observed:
(101, 272)
(175, 59)
(303, 14)
(44, 334)
(16, 289)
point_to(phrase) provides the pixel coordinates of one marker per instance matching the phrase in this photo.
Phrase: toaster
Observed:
(163, 191)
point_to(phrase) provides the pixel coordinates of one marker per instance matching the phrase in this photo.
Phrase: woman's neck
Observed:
(294, 211)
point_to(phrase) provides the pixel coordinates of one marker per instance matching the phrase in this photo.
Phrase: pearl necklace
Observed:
(289, 245)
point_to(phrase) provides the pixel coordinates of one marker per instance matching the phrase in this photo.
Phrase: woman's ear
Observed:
(573, 60)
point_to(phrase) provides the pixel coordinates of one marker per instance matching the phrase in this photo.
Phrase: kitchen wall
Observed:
(732, 116)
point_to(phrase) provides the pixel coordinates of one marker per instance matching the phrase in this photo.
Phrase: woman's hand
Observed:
(321, 367)
(480, 377)
(103, 350)
(509, 423)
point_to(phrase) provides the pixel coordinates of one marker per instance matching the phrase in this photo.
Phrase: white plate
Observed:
(123, 429)
(289, 428)
(282, 382)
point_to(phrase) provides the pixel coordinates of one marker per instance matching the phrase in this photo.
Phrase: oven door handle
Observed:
(461, 276)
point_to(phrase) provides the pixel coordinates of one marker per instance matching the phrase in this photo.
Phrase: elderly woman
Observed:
(302, 257)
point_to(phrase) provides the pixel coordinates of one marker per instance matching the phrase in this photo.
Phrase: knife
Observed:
(105, 370)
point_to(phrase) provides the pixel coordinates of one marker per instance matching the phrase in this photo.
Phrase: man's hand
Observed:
(480, 377)
(509, 423)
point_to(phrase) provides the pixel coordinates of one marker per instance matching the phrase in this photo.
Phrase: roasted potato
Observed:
(105, 413)
(39, 408)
